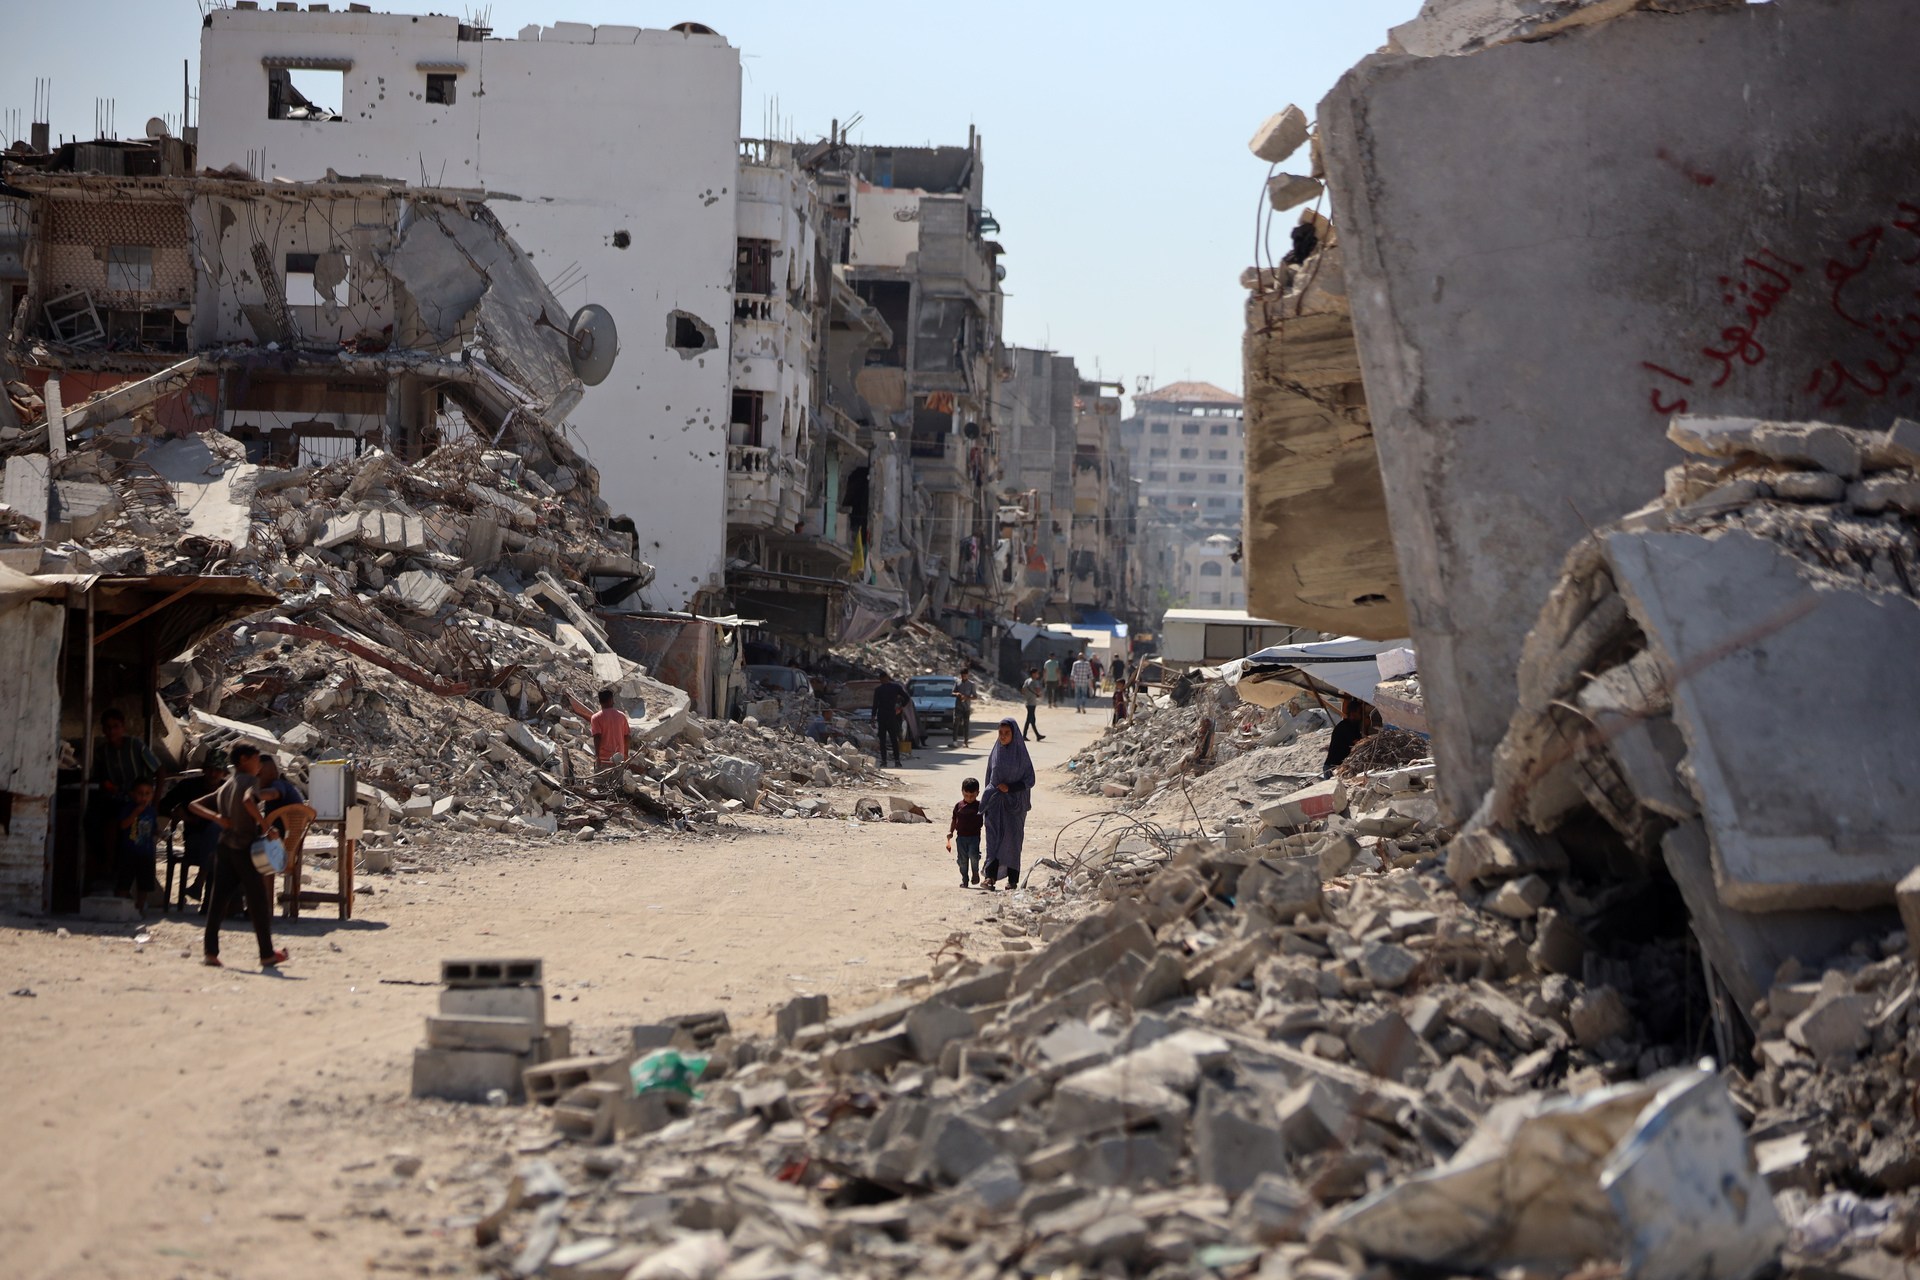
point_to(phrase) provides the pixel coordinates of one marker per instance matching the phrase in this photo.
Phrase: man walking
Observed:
(1031, 691)
(236, 809)
(1053, 681)
(1082, 682)
(888, 701)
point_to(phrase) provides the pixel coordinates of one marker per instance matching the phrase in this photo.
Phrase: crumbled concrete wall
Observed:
(1553, 247)
(1319, 550)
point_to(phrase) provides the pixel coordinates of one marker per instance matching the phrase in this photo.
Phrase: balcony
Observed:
(764, 488)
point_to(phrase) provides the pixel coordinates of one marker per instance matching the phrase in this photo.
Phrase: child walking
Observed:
(966, 824)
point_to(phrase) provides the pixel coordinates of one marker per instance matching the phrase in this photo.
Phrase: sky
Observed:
(1114, 133)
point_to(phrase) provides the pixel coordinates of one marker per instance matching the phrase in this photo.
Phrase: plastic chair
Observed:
(293, 821)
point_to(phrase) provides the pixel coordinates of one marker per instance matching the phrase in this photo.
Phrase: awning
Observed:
(176, 610)
(1346, 665)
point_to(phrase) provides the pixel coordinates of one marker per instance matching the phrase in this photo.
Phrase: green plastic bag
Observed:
(668, 1070)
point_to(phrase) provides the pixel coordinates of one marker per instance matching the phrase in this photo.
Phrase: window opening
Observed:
(305, 290)
(749, 413)
(303, 93)
(440, 87)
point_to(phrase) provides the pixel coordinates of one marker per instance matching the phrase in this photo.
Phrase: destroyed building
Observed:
(1525, 344)
(639, 220)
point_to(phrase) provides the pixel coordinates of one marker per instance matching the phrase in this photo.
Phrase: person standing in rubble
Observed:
(889, 700)
(611, 731)
(1009, 798)
(1352, 728)
(236, 808)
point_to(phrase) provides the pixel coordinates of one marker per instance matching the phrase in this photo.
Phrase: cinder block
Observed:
(529, 1004)
(547, 1081)
(556, 1044)
(466, 1076)
(516, 972)
(503, 1035)
(660, 1035)
(801, 1011)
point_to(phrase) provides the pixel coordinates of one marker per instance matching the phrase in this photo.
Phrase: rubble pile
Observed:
(1640, 742)
(434, 627)
(914, 649)
(1248, 1060)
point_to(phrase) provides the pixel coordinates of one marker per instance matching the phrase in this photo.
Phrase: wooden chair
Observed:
(293, 821)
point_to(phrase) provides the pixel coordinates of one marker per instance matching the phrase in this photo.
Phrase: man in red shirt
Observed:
(611, 729)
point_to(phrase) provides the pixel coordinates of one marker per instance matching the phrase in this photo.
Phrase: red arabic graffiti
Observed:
(1764, 280)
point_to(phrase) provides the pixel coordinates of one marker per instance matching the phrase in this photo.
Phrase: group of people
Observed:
(892, 704)
(1084, 677)
(222, 811)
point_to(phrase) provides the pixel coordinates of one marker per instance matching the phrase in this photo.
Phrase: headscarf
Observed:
(1009, 762)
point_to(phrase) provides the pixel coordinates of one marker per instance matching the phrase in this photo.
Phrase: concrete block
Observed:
(1284, 133)
(1313, 1117)
(527, 1003)
(1149, 1086)
(874, 1054)
(935, 1024)
(1491, 479)
(1051, 976)
(801, 1011)
(956, 1147)
(1834, 1028)
(1273, 1210)
(650, 1036)
(1071, 1046)
(1147, 1157)
(1519, 899)
(548, 1081)
(1599, 1015)
(1385, 1045)
(1386, 964)
(1288, 887)
(1770, 820)
(514, 972)
(500, 1035)
(1165, 979)
(1558, 945)
(466, 1076)
(1291, 190)
(1229, 1150)
(1328, 796)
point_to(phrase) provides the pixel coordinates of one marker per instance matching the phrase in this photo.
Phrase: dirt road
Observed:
(161, 1119)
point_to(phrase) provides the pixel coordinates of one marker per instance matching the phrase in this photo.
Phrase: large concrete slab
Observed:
(1779, 667)
(1553, 247)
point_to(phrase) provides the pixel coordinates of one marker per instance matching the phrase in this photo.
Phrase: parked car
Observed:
(936, 704)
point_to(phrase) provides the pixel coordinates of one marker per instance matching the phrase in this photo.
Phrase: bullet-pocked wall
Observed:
(619, 148)
(1554, 247)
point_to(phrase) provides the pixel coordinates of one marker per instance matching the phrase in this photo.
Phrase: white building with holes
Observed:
(614, 153)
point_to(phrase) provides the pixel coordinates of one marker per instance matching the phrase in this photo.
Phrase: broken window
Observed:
(940, 333)
(749, 413)
(129, 268)
(753, 267)
(306, 93)
(310, 283)
(440, 87)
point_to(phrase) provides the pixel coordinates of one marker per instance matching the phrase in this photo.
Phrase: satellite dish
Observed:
(593, 343)
(156, 127)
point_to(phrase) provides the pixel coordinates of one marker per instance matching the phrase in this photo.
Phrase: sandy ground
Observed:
(161, 1119)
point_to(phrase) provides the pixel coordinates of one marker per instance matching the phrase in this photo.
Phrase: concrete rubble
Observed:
(1242, 1060)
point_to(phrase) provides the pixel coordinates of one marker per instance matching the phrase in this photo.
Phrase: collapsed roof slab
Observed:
(1554, 247)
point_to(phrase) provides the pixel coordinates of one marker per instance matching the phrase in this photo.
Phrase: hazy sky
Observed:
(1115, 133)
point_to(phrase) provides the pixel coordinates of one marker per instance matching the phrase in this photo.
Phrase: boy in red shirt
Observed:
(611, 731)
(966, 824)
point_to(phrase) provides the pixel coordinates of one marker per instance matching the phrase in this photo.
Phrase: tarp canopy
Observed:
(1346, 665)
(17, 588)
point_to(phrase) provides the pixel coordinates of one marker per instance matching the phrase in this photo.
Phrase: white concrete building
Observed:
(1188, 443)
(616, 152)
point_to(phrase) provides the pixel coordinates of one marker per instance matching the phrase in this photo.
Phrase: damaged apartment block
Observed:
(310, 321)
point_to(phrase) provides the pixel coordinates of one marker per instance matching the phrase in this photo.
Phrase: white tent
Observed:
(1345, 665)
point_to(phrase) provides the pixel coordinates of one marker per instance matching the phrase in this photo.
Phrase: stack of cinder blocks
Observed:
(492, 1026)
